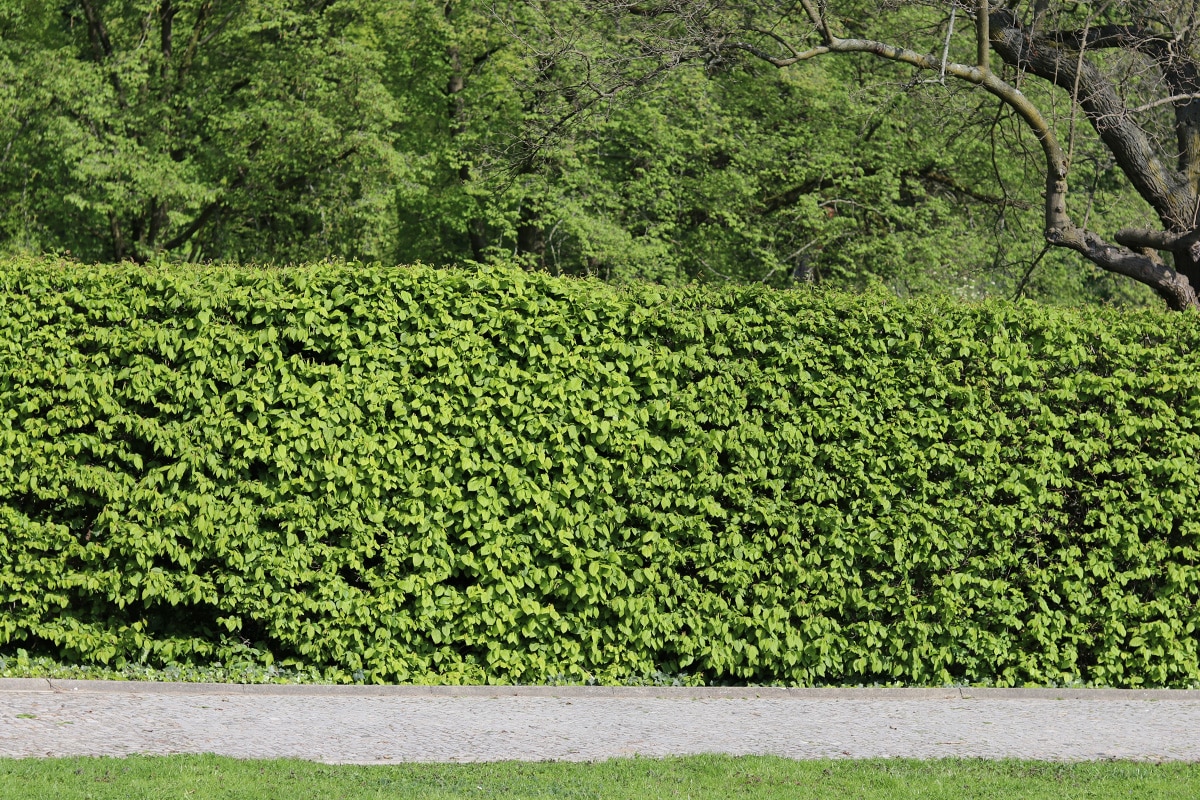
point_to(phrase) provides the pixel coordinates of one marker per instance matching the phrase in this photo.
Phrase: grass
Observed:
(697, 777)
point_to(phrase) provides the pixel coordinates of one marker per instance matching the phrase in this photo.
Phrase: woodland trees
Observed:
(204, 128)
(1129, 70)
(402, 130)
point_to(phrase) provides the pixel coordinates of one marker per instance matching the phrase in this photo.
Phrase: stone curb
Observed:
(584, 692)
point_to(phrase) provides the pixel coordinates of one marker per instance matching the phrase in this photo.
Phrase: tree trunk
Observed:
(476, 226)
(531, 237)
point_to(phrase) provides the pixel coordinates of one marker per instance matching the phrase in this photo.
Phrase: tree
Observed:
(454, 68)
(251, 129)
(1131, 70)
(445, 63)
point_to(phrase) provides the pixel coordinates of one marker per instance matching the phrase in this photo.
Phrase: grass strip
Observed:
(695, 777)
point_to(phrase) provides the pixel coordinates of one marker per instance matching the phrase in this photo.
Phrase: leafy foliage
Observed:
(275, 131)
(492, 476)
(206, 129)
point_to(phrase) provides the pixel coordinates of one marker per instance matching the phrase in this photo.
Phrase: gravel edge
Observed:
(582, 692)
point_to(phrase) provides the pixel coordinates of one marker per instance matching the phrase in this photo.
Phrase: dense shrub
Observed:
(445, 475)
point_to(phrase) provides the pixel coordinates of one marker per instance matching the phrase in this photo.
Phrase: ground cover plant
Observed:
(696, 777)
(418, 475)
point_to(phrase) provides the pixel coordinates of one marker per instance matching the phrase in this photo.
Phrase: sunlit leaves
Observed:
(487, 475)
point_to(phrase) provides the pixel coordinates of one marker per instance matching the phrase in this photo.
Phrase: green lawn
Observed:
(204, 777)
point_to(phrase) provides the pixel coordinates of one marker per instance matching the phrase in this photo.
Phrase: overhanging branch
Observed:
(1143, 238)
(1146, 268)
(1175, 98)
(1186, 245)
(1129, 143)
(1060, 230)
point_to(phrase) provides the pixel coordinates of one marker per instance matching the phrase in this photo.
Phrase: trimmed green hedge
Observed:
(408, 474)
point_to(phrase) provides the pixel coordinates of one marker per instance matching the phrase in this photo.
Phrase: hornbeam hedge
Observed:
(419, 475)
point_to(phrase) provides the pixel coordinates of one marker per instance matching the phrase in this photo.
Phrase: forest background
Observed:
(282, 131)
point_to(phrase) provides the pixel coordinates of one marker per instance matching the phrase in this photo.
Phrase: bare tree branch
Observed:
(983, 35)
(1175, 98)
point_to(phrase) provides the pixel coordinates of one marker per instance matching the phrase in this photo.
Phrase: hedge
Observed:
(420, 475)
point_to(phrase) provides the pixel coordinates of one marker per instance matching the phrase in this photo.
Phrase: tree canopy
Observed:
(668, 141)
(1130, 71)
(215, 128)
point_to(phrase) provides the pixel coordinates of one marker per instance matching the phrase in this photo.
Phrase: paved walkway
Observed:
(392, 724)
